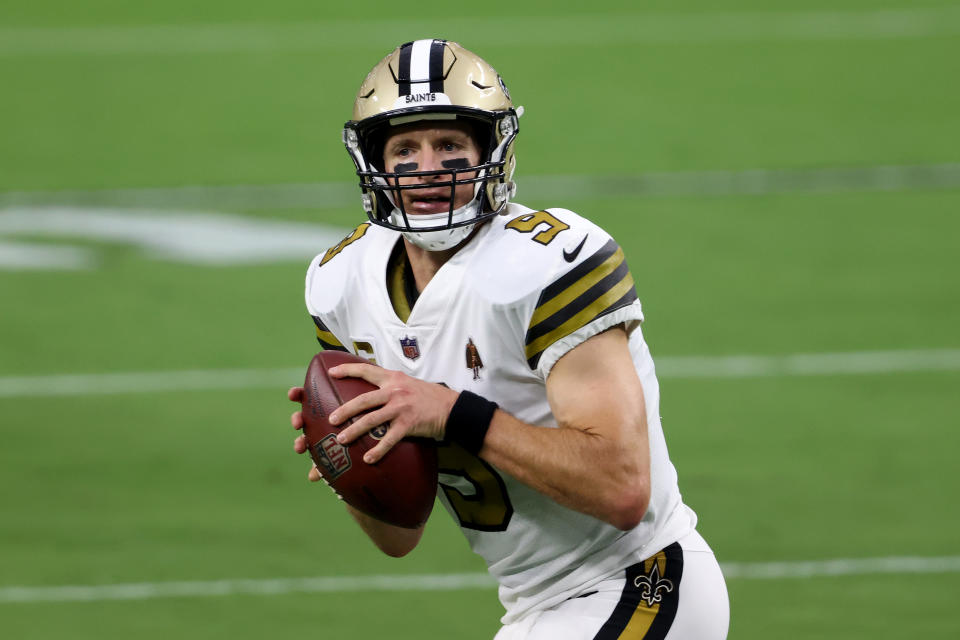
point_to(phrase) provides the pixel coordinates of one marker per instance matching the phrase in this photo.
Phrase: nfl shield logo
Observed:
(410, 347)
(331, 457)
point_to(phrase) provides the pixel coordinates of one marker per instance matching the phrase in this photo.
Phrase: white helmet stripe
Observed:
(420, 67)
(421, 60)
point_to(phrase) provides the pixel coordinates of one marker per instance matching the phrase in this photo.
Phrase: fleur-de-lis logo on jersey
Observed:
(652, 586)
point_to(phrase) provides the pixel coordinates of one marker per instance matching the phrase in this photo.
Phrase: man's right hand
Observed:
(295, 394)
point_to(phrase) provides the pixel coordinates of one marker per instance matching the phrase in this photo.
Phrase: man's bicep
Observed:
(595, 386)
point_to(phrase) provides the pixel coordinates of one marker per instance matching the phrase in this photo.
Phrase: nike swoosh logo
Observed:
(572, 255)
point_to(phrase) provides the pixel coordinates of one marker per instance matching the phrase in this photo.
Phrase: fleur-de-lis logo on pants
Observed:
(652, 586)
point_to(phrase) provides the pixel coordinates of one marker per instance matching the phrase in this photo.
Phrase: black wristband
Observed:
(469, 421)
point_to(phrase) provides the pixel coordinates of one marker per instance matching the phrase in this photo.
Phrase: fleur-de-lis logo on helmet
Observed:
(653, 586)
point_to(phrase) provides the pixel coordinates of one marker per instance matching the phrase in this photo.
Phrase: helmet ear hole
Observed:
(375, 138)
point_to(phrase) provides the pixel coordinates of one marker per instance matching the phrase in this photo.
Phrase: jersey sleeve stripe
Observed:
(619, 277)
(615, 292)
(588, 275)
(326, 338)
(582, 269)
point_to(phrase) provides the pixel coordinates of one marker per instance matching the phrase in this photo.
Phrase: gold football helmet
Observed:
(434, 80)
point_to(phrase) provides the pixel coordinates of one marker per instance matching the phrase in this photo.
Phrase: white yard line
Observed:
(841, 567)
(736, 366)
(198, 238)
(148, 382)
(638, 28)
(269, 586)
(187, 223)
(15, 256)
(900, 565)
(809, 364)
(340, 195)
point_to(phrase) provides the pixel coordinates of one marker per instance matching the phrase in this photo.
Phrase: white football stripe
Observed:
(739, 366)
(444, 582)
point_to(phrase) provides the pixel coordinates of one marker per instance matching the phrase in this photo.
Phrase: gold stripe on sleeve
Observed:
(326, 337)
(596, 308)
(572, 292)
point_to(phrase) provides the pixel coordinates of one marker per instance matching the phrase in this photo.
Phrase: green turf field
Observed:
(802, 181)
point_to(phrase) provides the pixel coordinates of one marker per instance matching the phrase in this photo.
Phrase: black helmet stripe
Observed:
(436, 66)
(403, 70)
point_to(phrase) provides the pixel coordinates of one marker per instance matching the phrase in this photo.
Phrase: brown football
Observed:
(399, 489)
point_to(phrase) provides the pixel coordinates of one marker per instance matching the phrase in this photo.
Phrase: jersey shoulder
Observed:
(567, 277)
(336, 272)
(526, 250)
(338, 269)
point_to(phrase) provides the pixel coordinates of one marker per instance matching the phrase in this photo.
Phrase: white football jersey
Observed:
(530, 286)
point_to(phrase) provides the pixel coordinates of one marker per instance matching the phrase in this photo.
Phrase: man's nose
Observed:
(429, 161)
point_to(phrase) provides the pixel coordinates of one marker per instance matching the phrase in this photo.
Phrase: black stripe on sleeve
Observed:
(326, 338)
(584, 300)
(627, 299)
(601, 285)
(317, 321)
(561, 284)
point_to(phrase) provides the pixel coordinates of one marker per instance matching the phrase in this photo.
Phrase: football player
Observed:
(552, 456)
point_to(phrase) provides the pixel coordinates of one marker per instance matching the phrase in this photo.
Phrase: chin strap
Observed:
(439, 240)
(444, 238)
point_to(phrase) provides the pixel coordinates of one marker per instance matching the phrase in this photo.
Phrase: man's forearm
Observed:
(392, 540)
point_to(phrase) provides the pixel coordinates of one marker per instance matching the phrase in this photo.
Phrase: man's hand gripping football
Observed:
(410, 406)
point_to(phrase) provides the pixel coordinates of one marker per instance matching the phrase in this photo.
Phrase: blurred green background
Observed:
(783, 178)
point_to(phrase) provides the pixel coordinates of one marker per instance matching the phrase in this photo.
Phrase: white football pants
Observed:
(677, 594)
